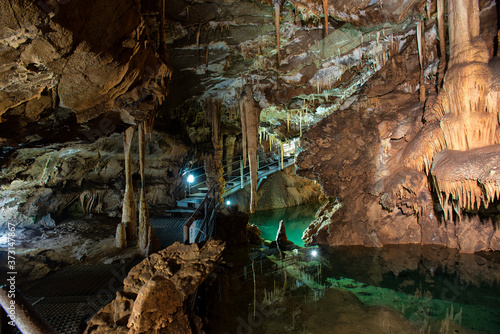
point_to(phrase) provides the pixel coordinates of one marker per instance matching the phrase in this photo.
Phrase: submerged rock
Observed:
(281, 238)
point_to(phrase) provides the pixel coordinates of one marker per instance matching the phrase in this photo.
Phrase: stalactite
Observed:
(213, 162)
(243, 130)
(129, 218)
(281, 153)
(148, 243)
(300, 124)
(251, 118)
(229, 145)
(206, 56)
(421, 50)
(442, 42)
(277, 25)
(325, 8)
(163, 46)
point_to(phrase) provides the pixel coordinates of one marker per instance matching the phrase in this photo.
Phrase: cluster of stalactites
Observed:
(419, 153)
(455, 195)
(463, 122)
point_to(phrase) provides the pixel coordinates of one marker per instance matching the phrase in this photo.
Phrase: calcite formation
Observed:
(157, 290)
(447, 149)
(89, 58)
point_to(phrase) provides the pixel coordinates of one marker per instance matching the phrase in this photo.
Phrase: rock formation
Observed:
(456, 147)
(281, 238)
(156, 292)
(393, 127)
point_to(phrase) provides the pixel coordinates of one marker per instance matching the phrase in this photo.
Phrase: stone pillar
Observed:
(250, 118)
(229, 145)
(129, 218)
(148, 243)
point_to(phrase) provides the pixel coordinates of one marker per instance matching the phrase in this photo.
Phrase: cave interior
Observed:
(118, 115)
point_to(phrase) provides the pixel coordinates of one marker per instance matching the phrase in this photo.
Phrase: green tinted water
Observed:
(297, 219)
(438, 290)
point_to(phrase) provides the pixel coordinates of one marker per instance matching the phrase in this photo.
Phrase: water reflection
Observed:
(394, 289)
(297, 219)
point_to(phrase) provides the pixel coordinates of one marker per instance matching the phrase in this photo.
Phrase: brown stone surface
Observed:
(47, 182)
(372, 158)
(156, 291)
(88, 58)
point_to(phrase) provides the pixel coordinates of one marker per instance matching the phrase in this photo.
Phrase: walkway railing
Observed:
(236, 175)
(200, 226)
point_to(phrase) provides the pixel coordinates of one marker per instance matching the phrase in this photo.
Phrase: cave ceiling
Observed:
(74, 70)
(216, 47)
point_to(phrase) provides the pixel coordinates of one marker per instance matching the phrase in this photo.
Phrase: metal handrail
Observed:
(266, 158)
(209, 205)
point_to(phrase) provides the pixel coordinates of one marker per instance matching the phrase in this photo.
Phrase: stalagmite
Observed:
(281, 237)
(148, 243)
(250, 116)
(277, 25)
(129, 218)
(325, 8)
(121, 236)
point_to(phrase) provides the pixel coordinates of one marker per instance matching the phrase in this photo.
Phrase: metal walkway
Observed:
(168, 230)
(72, 295)
(237, 175)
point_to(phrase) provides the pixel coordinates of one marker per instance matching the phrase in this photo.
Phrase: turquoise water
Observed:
(438, 290)
(297, 219)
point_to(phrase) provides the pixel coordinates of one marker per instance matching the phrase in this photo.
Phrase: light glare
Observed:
(190, 178)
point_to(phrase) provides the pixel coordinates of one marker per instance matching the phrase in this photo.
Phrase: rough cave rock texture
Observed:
(280, 190)
(81, 59)
(402, 173)
(156, 292)
(62, 180)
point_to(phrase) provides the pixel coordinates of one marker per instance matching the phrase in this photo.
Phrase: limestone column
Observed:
(468, 121)
(229, 145)
(148, 242)
(129, 218)
(250, 119)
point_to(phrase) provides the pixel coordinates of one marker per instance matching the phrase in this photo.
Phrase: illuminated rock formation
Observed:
(250, 119)
(129, 213)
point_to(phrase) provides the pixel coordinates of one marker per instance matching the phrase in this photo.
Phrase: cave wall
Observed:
(67, 63)
(47, 185)
(374, 158)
